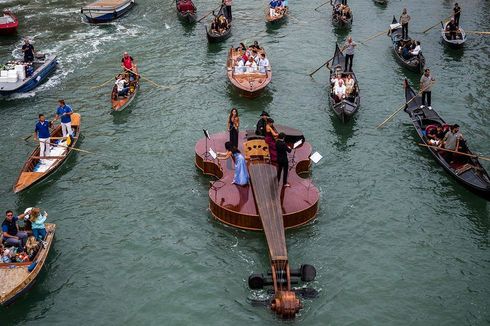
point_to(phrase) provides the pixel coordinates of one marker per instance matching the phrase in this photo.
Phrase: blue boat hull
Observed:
(37, 79)
(109, 16)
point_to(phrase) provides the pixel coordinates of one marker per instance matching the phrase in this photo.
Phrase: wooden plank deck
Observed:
(263, 178)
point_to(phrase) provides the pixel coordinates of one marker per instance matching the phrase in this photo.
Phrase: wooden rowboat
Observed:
(416, 63)
(8, 23)
(280, 17)
(119, 103)
(469, 172)
(346, 108)
(16, 278)
(36, 168)
(460, 37)
(186, 10)
(249, 84)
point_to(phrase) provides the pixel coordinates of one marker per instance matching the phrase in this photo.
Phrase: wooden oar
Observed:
(209, 13)
(476, 32)
(321, 66)
(102, 84)
(455, 152)
(428, 29)
(75, 149)
(321, 5)
(374, 36)
(147, 79)
(403, 106)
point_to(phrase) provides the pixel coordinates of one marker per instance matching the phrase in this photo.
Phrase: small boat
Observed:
(186, 10)
(416, 63)
(21, 77)
(249, 84)
(119, 103)
(460, 37)
(346, 108)
(338, 20)
(8, 23)
(104, 11)
(279, 17)
(215, 36)
(469, 172)
(18, 278)
(381, 2)
(37, 168)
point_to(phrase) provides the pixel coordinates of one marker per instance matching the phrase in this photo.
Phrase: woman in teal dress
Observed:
(241, 173)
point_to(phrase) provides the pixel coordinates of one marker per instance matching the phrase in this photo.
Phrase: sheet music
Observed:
(298, 143)
(212, 153)
(316, 157)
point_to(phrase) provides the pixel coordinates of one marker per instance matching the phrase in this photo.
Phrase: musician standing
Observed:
(282, 159)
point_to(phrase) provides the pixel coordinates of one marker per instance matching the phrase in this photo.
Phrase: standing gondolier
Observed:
(64, 113)
(426, 82)
(349, 53)
(227, 4)
(457, 13)
(28, 50)
(41, 133)
(404, 19)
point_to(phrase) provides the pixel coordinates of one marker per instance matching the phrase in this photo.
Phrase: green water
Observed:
(396, 241)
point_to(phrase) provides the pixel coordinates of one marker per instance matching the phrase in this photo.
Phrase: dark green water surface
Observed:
(397, 241)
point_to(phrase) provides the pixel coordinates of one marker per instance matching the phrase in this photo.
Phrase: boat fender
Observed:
(38, 78)
(31, 267)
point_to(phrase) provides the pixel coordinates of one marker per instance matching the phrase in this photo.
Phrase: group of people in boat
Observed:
(450, 138)
(409, 49)
(220, 24)
(42, 129)
(343, 86)
(275, 141)
(251, 59)
(343, 11)
(125, 82)
(22, 236)
(452, 30)
(277, 7)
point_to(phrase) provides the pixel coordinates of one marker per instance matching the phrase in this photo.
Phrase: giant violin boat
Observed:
(264, 206)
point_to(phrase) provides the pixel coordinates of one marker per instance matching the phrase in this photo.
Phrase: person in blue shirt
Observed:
(41, 133)
(10, 230)
(64, 112)
(272, 8)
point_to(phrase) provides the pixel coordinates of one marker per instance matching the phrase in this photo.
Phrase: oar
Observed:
(321, 5)
(428, 29)
(75, 149)
(455, 152)
(477, 32)
(209, 13)
(321, 66)
(374, 36)
(147, 79)
(102, 84)
(403, 106)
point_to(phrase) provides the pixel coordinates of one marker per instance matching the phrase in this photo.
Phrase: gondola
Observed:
(465, 169)
(36, 168)
(337, 19)
(18, 278)
(249, 84)
(381, 2)
(119, 103)
(104, 11)
(214, 36)
(186, 10)
(8, 23)
(346, 108)
(460, 37)
(416, 63)
(279, 17)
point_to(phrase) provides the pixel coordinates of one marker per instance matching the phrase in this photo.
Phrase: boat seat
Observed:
(256, 149)
(250, 75)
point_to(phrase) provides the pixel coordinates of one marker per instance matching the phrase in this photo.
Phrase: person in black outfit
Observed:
(233, 125)
(28, 50)
(282, 159)
(457, 13)
(260, 131)
(452, 28)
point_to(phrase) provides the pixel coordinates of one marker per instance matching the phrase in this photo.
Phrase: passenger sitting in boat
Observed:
(415, 52)
(32, 247)
(122, 87)
(245, 56)
(349, 85)
(28, 50)
(435, 135)
(255, 56)
(223, 23)
(242, 47)
(37, 222)
(251, 65)
(346, 12)
(10, 230)
(263, 63)
(239, 67)
(272, 8)
(339, 91)
(452, 29)
(255, 46)
(337, 10)
(452, 138)
(215, 25)
(127, 64)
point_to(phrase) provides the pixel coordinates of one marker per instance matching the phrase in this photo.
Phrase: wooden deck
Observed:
(263, 178)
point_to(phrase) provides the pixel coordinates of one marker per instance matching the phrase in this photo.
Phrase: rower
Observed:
(426, 82)
(349, 52)
(452, 28)
(28, 50)
(64, 112)
(127, 64)
(404, 19)
(457, 13)
(42, 134)
(260, 130)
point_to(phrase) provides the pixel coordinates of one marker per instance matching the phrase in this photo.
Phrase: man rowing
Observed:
(349, 53)
(457, 13)
(64, 113)
(128, 64)
(426, 82)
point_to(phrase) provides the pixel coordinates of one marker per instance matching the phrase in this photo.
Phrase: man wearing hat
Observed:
(260, 131)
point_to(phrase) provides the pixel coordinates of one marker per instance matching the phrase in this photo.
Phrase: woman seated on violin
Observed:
(241, 174)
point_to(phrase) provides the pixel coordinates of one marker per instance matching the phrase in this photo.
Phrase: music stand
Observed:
(296, 145)
(315, 158)
(206, 153)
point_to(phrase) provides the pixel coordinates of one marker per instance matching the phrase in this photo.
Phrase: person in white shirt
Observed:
(415, 52)
(239, 66)
(263, 63)
(122, 89)
(251, 65)
(349, 84)
(339, 91)
(335, 80)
